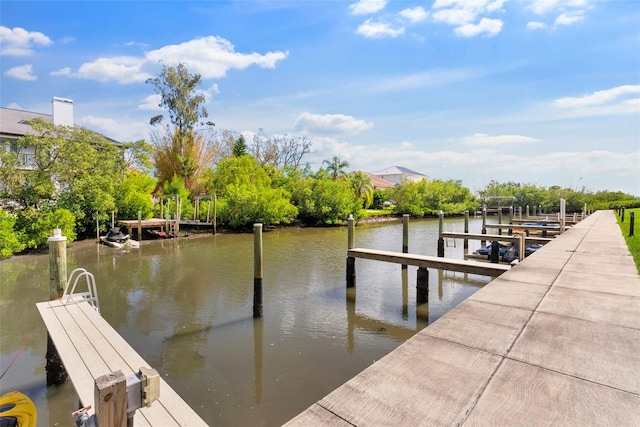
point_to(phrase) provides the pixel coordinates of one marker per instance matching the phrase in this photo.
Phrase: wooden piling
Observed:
(494, 255)
(499, 220)
(257, 270)
(484, 226)
(465, 244)
(351, 261)
(405, 236)
(110, 399)
(422, 286)
(139, 226)
(56, 374)
(527, 212)
(215, 213)
(510, 220)
(440, 238)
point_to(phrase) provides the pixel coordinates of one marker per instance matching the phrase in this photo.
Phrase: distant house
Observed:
(379, 183)
(15, 123)
(399, 174)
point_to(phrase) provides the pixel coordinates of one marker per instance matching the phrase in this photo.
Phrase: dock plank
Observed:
(426, 261)
(89, 348)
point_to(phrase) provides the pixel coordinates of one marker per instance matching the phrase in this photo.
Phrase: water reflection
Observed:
(186, 306)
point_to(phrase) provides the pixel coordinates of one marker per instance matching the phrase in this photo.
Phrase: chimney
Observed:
(62, 111)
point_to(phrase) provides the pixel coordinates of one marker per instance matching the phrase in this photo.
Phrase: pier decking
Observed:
(90, 348)
(553, 341)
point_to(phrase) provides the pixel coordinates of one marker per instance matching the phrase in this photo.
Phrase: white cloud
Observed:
(540, 7)
(464, 15)
(569, 18)
(211, 57)
(117, 129)
(366, 7)
(330, 124)
(536, 25)
(22, 72)
(486, 25)
(151, 103)
(14, 106)
(124, 69)
(597, 98)
(20, 42)
(66, 71)
(501, 140)
(208, 93)
(378, 30)
(416, 14)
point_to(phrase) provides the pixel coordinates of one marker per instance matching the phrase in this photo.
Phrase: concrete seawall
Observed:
(553, 341)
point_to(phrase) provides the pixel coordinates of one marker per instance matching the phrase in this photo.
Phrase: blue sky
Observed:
(541, 91)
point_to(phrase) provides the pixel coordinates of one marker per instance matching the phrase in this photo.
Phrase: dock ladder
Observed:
(90, 295)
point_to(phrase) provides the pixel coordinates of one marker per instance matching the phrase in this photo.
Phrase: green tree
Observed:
(188, 147)
(336, 167)
(362, 187)
(246, 194)
(134, 194)
(240, 147)
(9, 241)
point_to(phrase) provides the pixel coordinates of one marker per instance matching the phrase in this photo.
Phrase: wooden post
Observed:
(494, 255)
(110, 399)
(527, 211)
(422, 286)
(351, 261)
(440, 230)
(632, 219)
(257, 270)
(521, 245)
(113, 219)
(97, 227)
(534, 210)
(519, 212)
(499, 220)
(622, 216)
(215, 213)
(405, 236)
(484, 226)
(139, 226)
(56, 373)
(465, 244)
(563, 214)
(510, 220)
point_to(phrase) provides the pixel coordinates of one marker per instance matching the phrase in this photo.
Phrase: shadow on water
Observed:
(186, 308)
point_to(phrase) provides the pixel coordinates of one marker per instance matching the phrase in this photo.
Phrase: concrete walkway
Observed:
(554, 341)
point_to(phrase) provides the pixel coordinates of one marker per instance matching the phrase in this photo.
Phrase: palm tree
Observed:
(336, 166)
(363, 188)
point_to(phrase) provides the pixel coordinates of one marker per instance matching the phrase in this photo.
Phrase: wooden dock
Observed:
(425, 261)
(90, 348)
(553, 341)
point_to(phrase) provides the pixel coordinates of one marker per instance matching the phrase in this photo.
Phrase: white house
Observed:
(15, 123)
(399, 174)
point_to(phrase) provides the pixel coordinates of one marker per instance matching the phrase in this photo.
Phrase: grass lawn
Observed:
(368, 213)
(633, 242)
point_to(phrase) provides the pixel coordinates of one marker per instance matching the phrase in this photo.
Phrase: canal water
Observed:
(185, 305)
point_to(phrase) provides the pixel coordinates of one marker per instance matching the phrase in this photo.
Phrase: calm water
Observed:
(186, 306)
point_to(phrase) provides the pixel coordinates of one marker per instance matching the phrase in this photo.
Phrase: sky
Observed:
(543, 92)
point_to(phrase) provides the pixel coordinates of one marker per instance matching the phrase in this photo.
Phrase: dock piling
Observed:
(257, 270)
(440, 238)
(422, 286)
(494, 256)
(56, 374)
(139, 226)
(484, 226)
(405, 236)
(351, 261)
(465, 244)
(110, 398)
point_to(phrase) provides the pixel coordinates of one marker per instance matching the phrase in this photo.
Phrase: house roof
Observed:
(380, 183)
(397, 170)
(14, 123)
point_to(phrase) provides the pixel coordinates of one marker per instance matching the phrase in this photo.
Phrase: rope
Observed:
(24, 343)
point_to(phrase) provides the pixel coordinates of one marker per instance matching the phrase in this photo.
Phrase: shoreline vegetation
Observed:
(75, 178)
